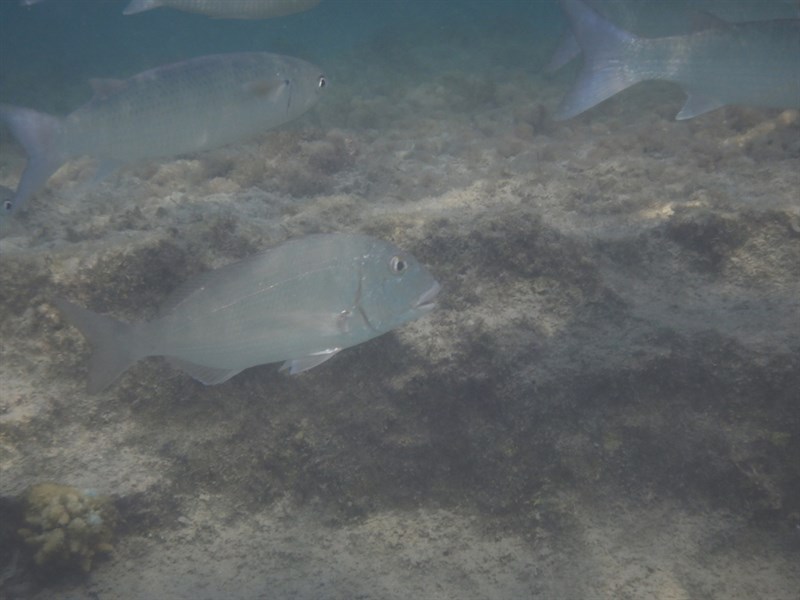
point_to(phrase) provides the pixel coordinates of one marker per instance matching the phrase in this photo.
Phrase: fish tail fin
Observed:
(137, 6)
(37, 133)
(111, 341)
(566, 50)
(604, 71)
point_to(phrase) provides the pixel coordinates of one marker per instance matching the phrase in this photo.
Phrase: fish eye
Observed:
(398, 265)
(322, 82)
(7, 206)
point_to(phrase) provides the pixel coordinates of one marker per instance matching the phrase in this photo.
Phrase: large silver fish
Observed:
(660, 18)
(227, 9)
(301, 302)
(753, 63)
(185, 107)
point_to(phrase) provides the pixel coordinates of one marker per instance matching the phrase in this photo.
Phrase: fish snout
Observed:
(426, 301)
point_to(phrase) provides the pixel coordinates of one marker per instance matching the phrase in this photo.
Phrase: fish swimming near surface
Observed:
(227, 9)
(186, 107)
(300, 302)
(752, 63)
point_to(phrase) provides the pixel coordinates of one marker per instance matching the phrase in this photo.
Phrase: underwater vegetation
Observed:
(66, 528)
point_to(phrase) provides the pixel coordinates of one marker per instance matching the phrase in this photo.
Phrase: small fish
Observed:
(227, 9)
(753, 63)
(300, 302)
(186, 107)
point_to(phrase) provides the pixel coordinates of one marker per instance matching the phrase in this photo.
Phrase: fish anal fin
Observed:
(304, 363)
(204, 374)
(697, 104)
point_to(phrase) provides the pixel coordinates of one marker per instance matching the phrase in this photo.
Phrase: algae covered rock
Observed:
(66, 527)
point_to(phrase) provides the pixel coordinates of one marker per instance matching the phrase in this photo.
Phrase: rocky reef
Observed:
(604, 403)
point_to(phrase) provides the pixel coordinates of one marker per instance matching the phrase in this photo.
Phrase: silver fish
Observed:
(753, 63)
(185, 107)
(300, 302)
(657, 18)
(227, 9)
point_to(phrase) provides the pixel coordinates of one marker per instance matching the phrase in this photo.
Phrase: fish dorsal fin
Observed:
(184, 291)
(304, 363)
(203, 374)
(264, 87)
(103, 88)
(702, 20)
(241, 268)
(198, 283)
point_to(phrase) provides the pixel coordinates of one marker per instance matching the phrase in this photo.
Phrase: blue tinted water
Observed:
(68, 41)
(604, 405)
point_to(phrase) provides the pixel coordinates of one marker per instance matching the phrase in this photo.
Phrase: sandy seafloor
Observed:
(604, 405)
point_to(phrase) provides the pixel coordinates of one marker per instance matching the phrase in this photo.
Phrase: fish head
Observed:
(394, 287)
(302, 85)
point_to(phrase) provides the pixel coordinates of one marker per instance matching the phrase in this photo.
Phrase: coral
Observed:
(67, 527)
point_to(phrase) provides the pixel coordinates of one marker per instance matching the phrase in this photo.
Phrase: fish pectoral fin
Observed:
(298, 365)
(103, 88)
(204, 374)
(697, 104)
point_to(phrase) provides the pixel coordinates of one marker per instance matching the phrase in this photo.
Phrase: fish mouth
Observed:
(426, 300)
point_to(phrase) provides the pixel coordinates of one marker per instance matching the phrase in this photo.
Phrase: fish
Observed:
(227, 9)
(657, 18)
(301, 302)
(753, 63)
(186, 107)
